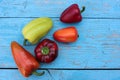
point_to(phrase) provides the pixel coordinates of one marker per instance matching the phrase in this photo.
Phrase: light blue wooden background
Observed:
(94, 56)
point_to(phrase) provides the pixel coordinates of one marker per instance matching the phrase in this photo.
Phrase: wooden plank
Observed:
(53, 8)
(15, 75)
(91, 31)
(97, 47)
(85, 75)
(64, 75)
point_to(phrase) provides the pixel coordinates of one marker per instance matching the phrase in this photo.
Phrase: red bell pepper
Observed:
(26, 63)
(46, 51)
(68, 34)
(72, 14)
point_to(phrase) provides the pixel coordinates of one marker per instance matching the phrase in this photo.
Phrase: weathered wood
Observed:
(53, 8)
(64, 75)
(16, 75)
(91, 31)
(97, 47)
(85, 75)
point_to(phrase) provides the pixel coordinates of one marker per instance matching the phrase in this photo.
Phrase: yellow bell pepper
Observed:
(36, 29)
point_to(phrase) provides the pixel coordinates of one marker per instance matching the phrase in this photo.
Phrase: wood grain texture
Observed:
(64, 75)
(97, 47)
(16, 75)
(53, 8)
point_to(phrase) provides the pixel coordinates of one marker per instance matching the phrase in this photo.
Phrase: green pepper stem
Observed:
(24, 42)
(38, 74)
(45, 50)
(83, 9)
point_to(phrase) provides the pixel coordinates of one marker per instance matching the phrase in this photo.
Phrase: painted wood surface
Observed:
(97, 48)
(53, 8)
(64, 75)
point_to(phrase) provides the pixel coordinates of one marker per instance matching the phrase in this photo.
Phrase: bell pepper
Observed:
(72, 14)
(46, 51)
(36, 29)
(27, 64)
(68, 34)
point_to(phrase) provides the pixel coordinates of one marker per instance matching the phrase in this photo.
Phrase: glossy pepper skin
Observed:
(66, 35)
(72, 14)
(46, 51)
(26, 63)
(36, 29)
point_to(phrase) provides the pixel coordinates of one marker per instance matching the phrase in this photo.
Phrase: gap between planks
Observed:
(58, 17)
(68, 68)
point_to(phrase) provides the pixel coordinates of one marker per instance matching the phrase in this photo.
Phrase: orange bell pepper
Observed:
(26, 62)
(66, 35)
